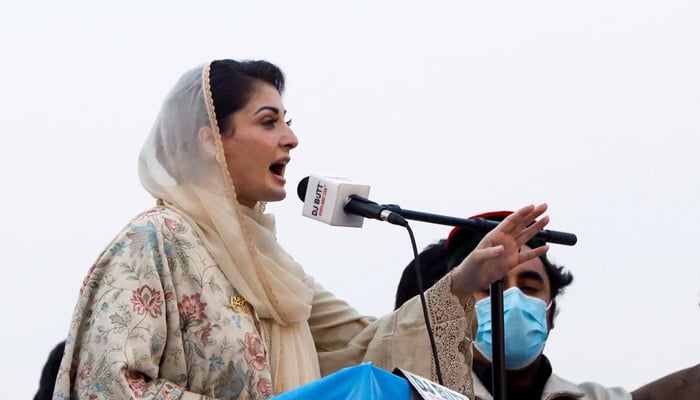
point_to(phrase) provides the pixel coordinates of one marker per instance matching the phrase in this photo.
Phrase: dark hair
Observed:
(435, 263)
(558, 280)
(49, 372)
(433, 266)
(232, 85)
(234, 82)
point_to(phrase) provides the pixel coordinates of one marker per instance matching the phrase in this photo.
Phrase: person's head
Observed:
(529, 298)
(553, 278)
(255, 134)
(240, 102)
(538, 278)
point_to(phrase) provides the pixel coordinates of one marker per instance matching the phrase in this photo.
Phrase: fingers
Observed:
(519, 220)
(513, 222)
(526, 255)
(523, 224)
(488, 253)
(477, 271)
(498, 251)
(530, 231)
(530, 217)
(533, 225)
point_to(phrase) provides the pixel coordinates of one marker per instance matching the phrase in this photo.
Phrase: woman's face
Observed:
(257, 152)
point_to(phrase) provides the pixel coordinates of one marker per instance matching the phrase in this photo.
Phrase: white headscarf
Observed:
(188, 172)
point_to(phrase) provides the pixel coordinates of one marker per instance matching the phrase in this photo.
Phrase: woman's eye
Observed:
(269, 122)
(288, 122)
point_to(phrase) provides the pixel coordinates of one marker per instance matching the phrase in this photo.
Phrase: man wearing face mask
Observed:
(529, 300)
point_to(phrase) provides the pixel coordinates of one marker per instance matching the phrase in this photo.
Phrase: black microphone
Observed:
(341, 202)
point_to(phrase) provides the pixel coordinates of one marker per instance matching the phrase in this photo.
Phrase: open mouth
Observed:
(278, 169)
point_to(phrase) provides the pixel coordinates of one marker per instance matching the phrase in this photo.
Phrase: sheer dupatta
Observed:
(182, 164)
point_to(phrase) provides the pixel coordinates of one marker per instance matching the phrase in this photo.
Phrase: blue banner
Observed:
(364, 381)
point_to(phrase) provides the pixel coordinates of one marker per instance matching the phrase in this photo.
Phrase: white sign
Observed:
(429, 390)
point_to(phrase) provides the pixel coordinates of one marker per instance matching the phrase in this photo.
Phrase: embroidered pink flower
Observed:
(147, 213)
(146, 299)
(191, 309)
(170, 224)
(137, 383)
(255, 351)
(264, 387)
(203, 333)
(86, 370)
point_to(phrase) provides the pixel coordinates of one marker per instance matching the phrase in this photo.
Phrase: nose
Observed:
(289, 139)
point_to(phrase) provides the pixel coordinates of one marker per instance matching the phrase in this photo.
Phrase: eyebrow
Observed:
(273, 109)
(531, 275)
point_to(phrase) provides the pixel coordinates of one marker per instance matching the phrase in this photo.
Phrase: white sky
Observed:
(448, 107)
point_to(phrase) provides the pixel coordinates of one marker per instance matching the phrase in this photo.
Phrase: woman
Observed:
(196, 299)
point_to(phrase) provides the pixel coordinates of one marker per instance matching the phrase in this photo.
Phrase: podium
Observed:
(367, 382)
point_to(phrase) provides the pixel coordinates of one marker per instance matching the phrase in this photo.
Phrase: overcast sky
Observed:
(449, 107)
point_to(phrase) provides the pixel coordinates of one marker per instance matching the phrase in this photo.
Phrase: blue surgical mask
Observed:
(525, 325)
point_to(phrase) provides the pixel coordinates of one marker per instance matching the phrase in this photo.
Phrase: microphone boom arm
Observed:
(478, 224)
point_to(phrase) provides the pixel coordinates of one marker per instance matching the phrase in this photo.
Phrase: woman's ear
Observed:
(207, 140)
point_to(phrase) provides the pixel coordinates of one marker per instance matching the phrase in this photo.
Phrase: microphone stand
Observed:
(478, 224)
(498, 364)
